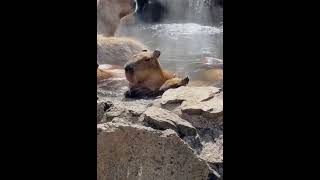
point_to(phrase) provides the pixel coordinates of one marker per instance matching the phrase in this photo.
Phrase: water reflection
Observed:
(180, 44)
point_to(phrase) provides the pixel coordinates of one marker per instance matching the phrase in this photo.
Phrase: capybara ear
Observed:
(156, 53)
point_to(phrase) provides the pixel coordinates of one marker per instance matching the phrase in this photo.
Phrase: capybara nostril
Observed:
(129, 68)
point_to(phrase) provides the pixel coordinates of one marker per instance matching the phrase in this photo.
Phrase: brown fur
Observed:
(117, 50)
(147, 75)
(109, 13)
(207, 77)
(106, 72)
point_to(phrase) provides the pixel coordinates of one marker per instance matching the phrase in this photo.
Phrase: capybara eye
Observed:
(148, 59)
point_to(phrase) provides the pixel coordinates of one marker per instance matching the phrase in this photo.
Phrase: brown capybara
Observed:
(106, 71)
(147, 78)
(209, 71)
(109, 13)
(117, 50)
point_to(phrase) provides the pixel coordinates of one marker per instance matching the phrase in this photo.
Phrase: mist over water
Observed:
(187, 35)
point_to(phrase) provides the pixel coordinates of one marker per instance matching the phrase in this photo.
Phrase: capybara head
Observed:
(143, 67)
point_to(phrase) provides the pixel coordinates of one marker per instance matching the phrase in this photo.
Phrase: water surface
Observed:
(181, 44)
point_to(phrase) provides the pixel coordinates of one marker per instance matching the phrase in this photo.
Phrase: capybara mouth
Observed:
(129, 76)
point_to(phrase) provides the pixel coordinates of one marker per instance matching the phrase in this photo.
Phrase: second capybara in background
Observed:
(107, 71)
(109, 13)
(117, 50)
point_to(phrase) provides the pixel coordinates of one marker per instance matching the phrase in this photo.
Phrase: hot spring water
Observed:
(183, 39)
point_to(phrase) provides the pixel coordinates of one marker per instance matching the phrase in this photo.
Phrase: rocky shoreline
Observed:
(176, 136)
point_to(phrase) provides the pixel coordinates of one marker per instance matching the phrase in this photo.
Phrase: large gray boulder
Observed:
(132, 152)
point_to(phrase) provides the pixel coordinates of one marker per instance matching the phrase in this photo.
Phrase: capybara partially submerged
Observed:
(109, 13)
(147, 78)
(117, 50)
(207, 72)
(105, 72)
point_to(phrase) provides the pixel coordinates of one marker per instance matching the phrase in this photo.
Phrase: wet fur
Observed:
(109, 14)
(148, 78)
(117, 50)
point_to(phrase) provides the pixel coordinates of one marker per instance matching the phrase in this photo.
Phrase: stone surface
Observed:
(184, 93)
(132, 131)
(210, 109)
(102, 107)
(201, 106)
(212, 152)
(121, 108)
(161, 119)
(132, 152)
(203, 114)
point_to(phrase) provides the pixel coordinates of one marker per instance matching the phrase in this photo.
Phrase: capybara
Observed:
(209, 71)
(109, 13)
(147, 78)
(106, 71)
(117, 50)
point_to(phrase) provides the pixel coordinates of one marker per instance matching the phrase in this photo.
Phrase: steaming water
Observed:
(180, 44)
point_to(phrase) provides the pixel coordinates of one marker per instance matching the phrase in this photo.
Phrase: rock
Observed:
(204, 114)
(162, 119)
(212, 152)
(121, 120)
(194, 142)
(132, 152)
(184, 93)
(126, 110)
(209, 109)
(102, 107)
(114, 111)
(201, 106)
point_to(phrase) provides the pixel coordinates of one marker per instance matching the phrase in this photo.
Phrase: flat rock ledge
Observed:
(162, 119)
(201, 106)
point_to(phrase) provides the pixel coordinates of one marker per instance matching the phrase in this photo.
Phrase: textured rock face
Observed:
(212, 153)
(176, 136)
(162, 119)
(209, 108)
(102, 107)
(186, 93)
(201, 106)
(136, 152)
(110, 108)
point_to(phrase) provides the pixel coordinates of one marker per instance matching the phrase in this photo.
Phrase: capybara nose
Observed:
(129, 68)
